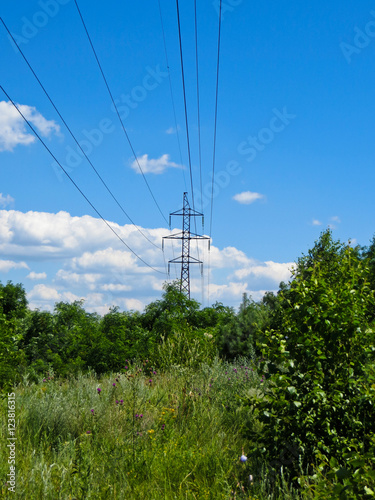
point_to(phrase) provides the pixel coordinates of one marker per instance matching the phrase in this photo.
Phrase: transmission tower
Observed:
(185, 259)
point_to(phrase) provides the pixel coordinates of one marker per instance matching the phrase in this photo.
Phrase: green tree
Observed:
(13, 311)
(318, 360)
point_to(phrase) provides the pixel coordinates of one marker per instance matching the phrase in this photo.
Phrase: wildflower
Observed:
(117, 401)
(92, 411)
(99, 390)
(150, 381)
(251, 478)
(154, 372)
(136, 415)
(141, 415)
(88, 432)
(44, 380)
(126, 367)
(121, 401)
(243, 458)
(151, 431)
(163, 427)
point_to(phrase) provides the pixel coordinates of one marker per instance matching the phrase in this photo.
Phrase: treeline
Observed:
(175, 330)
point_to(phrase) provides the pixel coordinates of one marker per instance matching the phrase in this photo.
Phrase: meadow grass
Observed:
(143, 435)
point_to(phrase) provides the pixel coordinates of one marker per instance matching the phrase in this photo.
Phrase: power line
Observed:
(117, 112)
(171, 90)
(173, 106)
(198, 100)
(184, 91)
(199, 129)
(215, 122)
(75, 185)
(74, 138)
(214, 145)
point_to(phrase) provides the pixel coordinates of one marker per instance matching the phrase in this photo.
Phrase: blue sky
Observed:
(295, 149)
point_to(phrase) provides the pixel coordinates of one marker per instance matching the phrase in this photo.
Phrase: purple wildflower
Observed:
(99, 390)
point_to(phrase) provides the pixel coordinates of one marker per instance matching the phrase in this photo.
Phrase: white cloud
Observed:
(14, 130)
(7, 265)
(336, 219)
(270, 270)
(44, 292)
(36, 276)
(316, 222)
(5, 200)
(85, 261)
(228, 257)
(247, 197)
(154, 166)
(112, 287)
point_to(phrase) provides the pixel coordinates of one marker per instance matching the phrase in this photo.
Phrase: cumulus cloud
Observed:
(7, 265)
(44, 292)
(316, 222)
(5, 200)
(247, 197)
(154, 166)
(36, 276)
(86, 262)
(14, 130)
(272, 271)
(54, 236)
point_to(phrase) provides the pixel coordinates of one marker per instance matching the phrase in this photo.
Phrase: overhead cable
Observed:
(74, 138)
(117, 112)
(74, 183)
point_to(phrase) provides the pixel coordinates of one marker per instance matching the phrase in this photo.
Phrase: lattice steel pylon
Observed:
(185, 259)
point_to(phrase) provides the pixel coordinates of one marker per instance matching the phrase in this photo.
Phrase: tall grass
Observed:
(172, 435)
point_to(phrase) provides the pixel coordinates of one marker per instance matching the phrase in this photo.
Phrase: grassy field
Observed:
(138, 435)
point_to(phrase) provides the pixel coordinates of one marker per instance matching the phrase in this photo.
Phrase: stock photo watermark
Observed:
(257, 143)
(250, 148)
(31, 26)
(11, 445)
(226, 6)
(362, 39)
(125, 104)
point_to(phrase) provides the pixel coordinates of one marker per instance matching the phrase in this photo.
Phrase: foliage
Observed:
(320, 396)
(13, 308)
(179, 436)
(237, 333)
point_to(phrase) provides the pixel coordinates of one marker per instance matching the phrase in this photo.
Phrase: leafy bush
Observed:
(321, 392)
